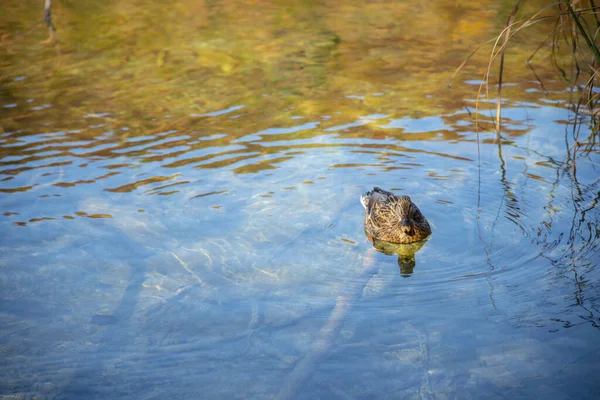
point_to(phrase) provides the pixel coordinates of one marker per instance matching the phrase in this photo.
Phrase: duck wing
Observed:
(377, 195)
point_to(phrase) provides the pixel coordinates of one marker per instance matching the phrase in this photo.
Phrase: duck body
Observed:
(394, 219)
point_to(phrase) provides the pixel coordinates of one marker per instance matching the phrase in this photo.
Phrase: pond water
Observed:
(180, 214)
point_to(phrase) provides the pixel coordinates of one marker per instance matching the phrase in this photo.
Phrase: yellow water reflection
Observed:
(132, 64)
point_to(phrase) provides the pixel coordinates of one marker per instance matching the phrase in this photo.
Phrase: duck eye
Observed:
(412, 211)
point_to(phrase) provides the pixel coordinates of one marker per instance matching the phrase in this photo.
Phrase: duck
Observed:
(393, 219)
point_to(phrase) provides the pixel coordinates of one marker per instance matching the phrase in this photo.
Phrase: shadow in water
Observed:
(90, 380)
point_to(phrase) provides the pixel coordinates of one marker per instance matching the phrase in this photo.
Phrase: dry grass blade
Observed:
(595, 15)
(461, 66)
(555, 47)
(530, 66)
(507, 33)
(48, 20)
(583, 32)
(500, 74)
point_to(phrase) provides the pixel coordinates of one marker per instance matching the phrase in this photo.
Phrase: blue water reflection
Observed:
(229, 276)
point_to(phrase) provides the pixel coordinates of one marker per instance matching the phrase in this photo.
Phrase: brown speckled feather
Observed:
(392, 218)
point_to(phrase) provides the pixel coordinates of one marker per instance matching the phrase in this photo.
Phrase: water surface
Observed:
(179, 190)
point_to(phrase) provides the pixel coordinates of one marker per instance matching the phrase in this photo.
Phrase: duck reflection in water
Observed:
(406, 253)
(395, 225)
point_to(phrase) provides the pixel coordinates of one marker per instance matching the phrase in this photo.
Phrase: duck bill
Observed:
(406, 226)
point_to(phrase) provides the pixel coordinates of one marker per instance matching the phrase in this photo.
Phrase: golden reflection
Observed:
(41, 219)
(16, 190)
(132, 186)
(209, 194)
(157, 190)
(99, 216)
(67, 217)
